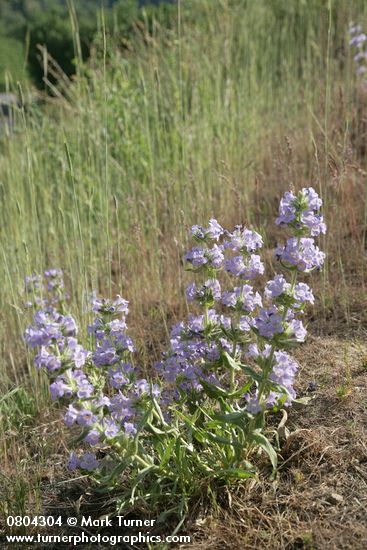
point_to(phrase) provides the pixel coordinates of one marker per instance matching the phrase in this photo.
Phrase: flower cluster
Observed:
(47, 290)
(105, 394)
(226, 367)
(358, 40)
(240, 322)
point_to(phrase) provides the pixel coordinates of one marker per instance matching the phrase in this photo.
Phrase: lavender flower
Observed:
(88, 462)
(209, 257)
(104, 306)
(209, 292)
(86, 417)
(244, 240)
(117, 377)
(245, 323)
(121, 406)
(109, 398)
(354, 29)
(76, 353)
(73, 462)
(71, 415)
(55, 280)
(105, 354)
(59, 388)
(33, 283)
(302, 253)
(111, 428)
(314, 222)
(130, 429)
(255, 353)
(242, 298)
(253, 403)
(245, 268)
(48, 360)
(97, 328)
(283, 372)
(276, 287)
(214, 231)
(358, 40)
(303, 293)
(287, 209)
(297, 330)
(269, 322)
(92, 437)
(301, 212)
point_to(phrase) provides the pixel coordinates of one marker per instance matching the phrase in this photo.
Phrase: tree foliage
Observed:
(46, 23)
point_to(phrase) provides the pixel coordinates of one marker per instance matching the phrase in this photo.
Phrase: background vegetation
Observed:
(154, 119)
(27, 24)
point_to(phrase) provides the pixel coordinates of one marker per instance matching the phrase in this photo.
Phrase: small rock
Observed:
(335, 498)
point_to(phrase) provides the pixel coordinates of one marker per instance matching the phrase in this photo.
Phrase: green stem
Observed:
(142, 461)
(232, 382)
(206, 315)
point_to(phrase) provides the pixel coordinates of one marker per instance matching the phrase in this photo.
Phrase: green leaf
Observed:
(145, 418)
(302, 401)
(213, 391)
(237, 473)
(231, 418)
(265, 444)
(241, 390)
(153, 429)
(224, 440)
(230, 362)
(250, 372)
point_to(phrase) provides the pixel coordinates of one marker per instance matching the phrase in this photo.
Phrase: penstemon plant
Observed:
(358, 41)
(201, 418)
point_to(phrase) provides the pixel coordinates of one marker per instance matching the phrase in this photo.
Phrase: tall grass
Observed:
(212, 116)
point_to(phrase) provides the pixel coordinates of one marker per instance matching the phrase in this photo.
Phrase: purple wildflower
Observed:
(130, 429)
(213, 231)
(284, 371)
(105, 306)
(209, 291)
(88, 462)
(117, 377)
(276, 287)
(303, 293)
(297, 330)
(245, 268)
(92, 437)
(111, 428)
(244, 240)
(301, 253)
(212, 257)
(59, 388)
(244, 298)
(253, 403)
(86, 417)
(269, 322)
(73, 462)
(287, 209)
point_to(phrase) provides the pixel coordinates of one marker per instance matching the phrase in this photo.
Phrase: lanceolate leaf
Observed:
(265, 444)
